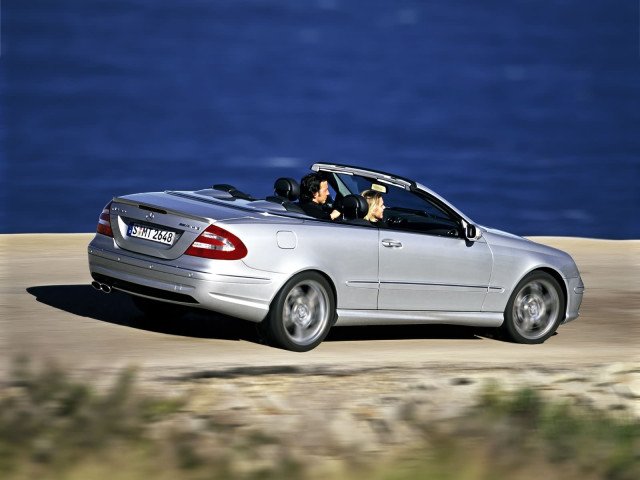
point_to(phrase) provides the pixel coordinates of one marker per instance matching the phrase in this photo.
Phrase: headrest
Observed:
(287, 188)
(354, 206)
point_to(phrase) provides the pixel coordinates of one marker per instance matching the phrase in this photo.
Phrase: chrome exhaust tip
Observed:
(102, 287)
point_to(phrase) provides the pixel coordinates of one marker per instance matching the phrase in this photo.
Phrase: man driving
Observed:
(314, 190)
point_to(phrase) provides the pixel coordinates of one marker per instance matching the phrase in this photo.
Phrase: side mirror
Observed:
(472, 233)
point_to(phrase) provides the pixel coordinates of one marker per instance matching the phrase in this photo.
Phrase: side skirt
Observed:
(397, 317)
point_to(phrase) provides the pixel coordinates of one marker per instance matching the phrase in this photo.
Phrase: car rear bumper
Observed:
(239, 292)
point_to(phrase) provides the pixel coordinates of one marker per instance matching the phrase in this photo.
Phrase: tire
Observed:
(535, 309)
(301, 314)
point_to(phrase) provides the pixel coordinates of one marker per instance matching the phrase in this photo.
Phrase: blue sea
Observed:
(524, 114)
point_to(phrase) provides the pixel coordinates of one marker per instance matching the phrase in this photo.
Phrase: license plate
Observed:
(149, 233)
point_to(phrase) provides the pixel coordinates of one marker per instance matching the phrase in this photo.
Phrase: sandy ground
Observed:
(364, 393)
(50, 313)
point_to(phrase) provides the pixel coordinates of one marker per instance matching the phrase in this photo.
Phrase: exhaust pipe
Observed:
(103, 287)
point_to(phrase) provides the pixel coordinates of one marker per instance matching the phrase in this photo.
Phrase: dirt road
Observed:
(50, 312)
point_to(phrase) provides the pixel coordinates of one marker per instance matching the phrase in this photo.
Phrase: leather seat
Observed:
(286, 190)
(354, 209)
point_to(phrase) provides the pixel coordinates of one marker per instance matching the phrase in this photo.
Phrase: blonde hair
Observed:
(372, 197)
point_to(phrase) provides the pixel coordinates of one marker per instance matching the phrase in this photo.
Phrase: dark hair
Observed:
(310, 185)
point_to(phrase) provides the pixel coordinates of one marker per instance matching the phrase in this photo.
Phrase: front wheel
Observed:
(534, 310)
(301, 313)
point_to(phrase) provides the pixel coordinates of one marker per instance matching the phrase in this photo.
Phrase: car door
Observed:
(420, 271)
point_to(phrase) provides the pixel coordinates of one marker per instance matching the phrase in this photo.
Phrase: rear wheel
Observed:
(301, 313)
(534, 310)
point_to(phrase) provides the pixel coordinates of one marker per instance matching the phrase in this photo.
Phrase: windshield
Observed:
(406, 209)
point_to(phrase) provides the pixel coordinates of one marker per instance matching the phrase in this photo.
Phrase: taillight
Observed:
(219, 244)
(104, 222)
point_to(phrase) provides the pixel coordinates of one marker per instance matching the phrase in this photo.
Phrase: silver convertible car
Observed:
(266, 261)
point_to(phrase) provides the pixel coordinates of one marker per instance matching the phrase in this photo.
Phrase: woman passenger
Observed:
(376, 205)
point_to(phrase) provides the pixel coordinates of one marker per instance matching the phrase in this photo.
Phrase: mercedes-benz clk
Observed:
(296, 276)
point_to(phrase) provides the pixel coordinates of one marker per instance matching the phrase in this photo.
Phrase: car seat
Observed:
(354, 209)
(286, 190)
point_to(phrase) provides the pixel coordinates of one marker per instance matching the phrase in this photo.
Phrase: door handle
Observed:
(392, 243)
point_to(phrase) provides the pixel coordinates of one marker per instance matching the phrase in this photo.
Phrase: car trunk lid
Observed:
(164, 224)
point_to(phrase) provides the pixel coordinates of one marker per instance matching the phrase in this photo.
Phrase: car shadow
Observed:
(118, 308)
(403, 332)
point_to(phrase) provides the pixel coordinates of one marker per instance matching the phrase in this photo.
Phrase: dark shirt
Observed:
(315, 210)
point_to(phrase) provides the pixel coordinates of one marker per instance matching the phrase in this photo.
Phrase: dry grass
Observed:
(52, 427)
